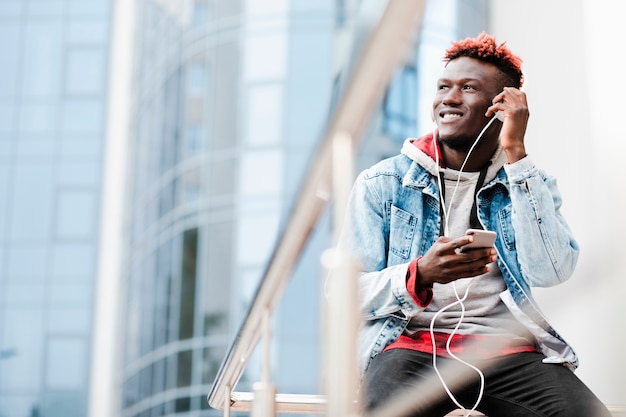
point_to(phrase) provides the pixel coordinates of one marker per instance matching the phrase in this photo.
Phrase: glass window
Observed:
(87, 32)
(37, 117)
(82, 116)
(85, 71)
(35, 147)
(4, 190)
(18, 405)
(145, 382)
(70, 295)
(221, 181)
(65, 363)
(188, 284)
(191, 185)
(184, 368)
(84, 146)
(9, 51)
(158, 376)
(25, 295)
(84, 172)
(194, 139)
(265, 110)
(72, 261)
(27, 262)
(182, 404)
(261, 174)
(6, 148)
(265, 57)
(88, 7)
(43, 50)
(201, 14)
(22, 334)
(167, 198)
(7, 111)
(267, 6)
(217, 298)
(48, 8)
(31, 203)
(66, 404)
(11, 8)
(75, 214)
(161, 293)
(69, 320)
(400, 105)
(196, 79)
(256, 238)
(211, 361)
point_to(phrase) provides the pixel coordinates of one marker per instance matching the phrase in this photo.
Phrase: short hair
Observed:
(485, 48)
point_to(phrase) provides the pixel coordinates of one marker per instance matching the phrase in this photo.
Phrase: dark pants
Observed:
(516, 385)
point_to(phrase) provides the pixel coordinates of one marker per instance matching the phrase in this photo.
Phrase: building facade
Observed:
(53, 95)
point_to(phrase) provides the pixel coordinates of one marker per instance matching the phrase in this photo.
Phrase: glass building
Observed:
(53, 100)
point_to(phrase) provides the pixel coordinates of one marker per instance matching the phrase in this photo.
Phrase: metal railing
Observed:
(388, 43)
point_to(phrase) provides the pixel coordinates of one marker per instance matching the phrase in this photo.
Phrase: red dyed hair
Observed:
(485, 48)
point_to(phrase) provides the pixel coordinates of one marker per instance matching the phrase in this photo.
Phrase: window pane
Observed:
(37, 117)
(188, 284)
(89, 7)
(7, 112)
(32, 199)
(72, 261)
(261, 174)
(66, 404)
(184, 368)
(22, 336)
(25, 295)
(69, 320)
(82, 116)
(27, 262)
(76, 214)
(265, 115)
(46, 8)
(85, 71)
(70, 295)
(85, 173)
(18, 405)
(81, 145)
(9, 50)
(42, 49)
(265, 57)
(65, 363)
(87, 32)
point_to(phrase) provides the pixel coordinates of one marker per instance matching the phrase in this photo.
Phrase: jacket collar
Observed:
(422, 151)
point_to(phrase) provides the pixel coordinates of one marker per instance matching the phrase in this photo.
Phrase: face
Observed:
(464, 92)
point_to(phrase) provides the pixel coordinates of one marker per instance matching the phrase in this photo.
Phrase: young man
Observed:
(425, 300)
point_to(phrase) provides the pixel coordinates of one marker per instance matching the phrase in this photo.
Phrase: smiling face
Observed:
(464, 92)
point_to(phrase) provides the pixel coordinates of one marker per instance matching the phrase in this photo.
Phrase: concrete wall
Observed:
(572, 58)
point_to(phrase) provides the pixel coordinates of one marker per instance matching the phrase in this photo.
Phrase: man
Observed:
(426, 302)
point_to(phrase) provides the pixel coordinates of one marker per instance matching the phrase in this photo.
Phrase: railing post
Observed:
(264, 404)
(341, 319)
(227, 392)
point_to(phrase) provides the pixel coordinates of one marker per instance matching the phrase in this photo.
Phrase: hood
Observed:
(424, 150)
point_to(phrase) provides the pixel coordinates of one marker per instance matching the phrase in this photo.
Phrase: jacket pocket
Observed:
(401, 231)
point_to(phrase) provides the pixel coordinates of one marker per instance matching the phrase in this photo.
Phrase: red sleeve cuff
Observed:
(422, 295)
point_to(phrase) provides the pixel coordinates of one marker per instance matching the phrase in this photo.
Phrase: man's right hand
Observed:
(444, 263)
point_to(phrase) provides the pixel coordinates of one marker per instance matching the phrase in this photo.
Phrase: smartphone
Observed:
(482, 239)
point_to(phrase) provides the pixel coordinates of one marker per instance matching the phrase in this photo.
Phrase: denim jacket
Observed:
(394, 218)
